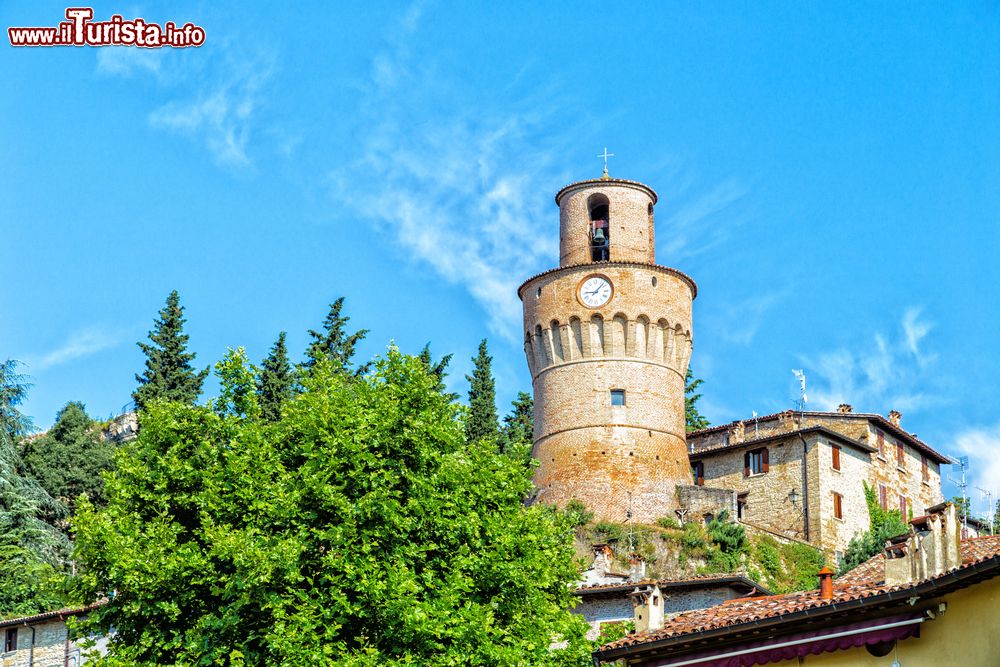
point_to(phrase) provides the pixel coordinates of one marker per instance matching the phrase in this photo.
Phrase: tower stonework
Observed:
(607, 337)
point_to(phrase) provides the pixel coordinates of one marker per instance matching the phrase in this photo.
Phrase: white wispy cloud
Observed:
(699, 221)
(129, 61)
(890, 371)
(739, 321)
(223, 90)
(222, 111)
(81, 344)
(982, 445)
(463, 178)
(455, 180)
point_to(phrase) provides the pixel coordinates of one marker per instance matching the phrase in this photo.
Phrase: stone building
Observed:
(800, 474)
(608, 338)
(43, 640)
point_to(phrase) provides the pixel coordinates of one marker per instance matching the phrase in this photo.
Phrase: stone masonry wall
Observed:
(699, 503)
(767, 494)
(597, 610)
(833, 534)
(50, 647)
(906, 479)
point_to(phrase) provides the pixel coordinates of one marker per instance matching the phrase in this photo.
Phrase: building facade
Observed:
(802, 474)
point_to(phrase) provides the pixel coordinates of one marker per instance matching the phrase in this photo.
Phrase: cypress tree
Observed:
(333, 343)
(168, 373)
(518, 424)
(482, 420)
(276, 381)
(438, 370)
(694, 419)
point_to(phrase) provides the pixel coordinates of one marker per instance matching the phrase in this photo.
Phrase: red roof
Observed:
(865, 581)
(46, 615)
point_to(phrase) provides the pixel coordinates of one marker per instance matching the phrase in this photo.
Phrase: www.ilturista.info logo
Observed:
(80, 30)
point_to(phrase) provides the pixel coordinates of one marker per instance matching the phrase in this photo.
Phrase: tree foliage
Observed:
(275, 381)
(359, 529)
(333, 344)
(438, 369)
(69, 458)
(169, 374)
(32, 550)
(693, 419)
(482, 419)
(883, 524)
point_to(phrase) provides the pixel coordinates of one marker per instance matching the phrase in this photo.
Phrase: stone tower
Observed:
(608, 339)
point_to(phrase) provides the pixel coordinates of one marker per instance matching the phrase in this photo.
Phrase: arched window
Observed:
(599, 229)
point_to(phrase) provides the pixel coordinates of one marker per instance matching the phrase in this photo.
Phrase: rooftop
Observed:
(862, 588)
(879, 420)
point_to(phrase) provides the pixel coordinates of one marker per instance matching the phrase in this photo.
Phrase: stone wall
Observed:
(702, 503)
(906, 479)
(767, 495)
(597, 609)
(50, 648)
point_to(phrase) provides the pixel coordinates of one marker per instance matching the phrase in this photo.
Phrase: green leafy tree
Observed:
(963, 505)
(438, 369)
(516, 433)
(883, 524)
(32, 551)
(333, 343)
(169, 374)
(359, 529)
(276, 380)
(694, 419)
(69, 458)
(996, 519)
(482, 418)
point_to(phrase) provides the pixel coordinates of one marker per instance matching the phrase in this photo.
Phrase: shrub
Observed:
(731, 537)
(577, 513)
(668, 522)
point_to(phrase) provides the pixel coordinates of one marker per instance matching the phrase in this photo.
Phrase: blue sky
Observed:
(829, 177)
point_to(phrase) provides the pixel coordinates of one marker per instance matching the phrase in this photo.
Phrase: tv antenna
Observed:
(963, 461)
(803, 399)
(990, 508)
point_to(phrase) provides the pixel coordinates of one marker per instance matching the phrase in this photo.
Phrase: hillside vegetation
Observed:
(722, 546)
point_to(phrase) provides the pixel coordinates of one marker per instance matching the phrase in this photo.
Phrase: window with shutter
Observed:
(880, 439)
(902, 507)
(836, 457)
(882, 501)
(900, 454)
(924, 473)
(755, 462)
(838, 506)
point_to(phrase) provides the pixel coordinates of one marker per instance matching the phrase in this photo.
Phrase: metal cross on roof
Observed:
(606, 155)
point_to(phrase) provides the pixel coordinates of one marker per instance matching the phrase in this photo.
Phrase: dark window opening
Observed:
(617, 397)
(10, 640)
(698, 473)
(741, 506)
(599, 229)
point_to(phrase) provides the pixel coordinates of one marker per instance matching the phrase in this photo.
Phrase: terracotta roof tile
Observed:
(867, 581)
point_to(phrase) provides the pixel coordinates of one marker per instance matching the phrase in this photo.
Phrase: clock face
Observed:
(595, 291)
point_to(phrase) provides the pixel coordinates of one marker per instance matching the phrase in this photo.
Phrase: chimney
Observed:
(636, 568)
(929, 549)
(647, 608)
(603, 559)
(825, 583)
(894, 417)
(845, 408)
